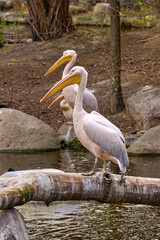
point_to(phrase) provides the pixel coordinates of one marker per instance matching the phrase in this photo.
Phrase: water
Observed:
(86, 219)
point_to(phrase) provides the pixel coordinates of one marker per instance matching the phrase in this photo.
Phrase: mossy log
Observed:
(48, 185)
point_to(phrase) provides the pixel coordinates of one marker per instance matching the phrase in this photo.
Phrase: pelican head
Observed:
(67, 56)
(73, 77)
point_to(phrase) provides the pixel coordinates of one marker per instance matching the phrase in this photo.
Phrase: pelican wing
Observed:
(108, 139)
(89, 101)
(104, 121)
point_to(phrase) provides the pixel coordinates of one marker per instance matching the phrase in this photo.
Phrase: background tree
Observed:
(49, 18)
(116, 92)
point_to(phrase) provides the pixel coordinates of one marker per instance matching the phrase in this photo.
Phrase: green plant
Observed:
(144, 11)
(5, 25)
(1, 34)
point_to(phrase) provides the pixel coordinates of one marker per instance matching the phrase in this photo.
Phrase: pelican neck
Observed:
(69, 66)
(79, 98)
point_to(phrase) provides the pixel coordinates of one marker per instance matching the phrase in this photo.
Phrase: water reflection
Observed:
(78, 160)
(91, 220)
(86, 220)
(66, 160)
(145, 166)
(23, 161)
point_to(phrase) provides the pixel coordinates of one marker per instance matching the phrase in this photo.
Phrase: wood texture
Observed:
(18, 188)
(50, 18)
(116, 97)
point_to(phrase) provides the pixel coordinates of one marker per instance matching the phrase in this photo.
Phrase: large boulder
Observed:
(22, 132)
(67, 135)
(148, 143)
(6, 3)
(89, 19)
(74, 10)
(102, 8)
(144, 108)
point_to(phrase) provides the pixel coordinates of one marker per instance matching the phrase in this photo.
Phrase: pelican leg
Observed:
(93, 170)
(104, 166)
(122, 177)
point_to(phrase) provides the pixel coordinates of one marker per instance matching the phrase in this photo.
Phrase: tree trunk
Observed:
(49, 18)
(17, 188)
(116, 93)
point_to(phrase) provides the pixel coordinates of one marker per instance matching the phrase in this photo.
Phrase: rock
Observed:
(15, 17)
(22, 132)
(131, 137)
(144, 108)
(6, 3)
(148, 143)
(102, 8)
(74, 10)
(89, 19)
(67, 135)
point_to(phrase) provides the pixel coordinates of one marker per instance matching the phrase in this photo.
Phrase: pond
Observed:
(85, 219)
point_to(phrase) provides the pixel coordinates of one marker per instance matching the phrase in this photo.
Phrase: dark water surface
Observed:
(81, 219)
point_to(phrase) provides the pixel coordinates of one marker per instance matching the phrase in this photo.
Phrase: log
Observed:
(12, 225)
(50, 185)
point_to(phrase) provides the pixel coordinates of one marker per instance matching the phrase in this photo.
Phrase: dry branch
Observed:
(148, 39)
(50, 185)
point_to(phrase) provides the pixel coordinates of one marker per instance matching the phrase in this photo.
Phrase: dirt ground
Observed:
(22, 68)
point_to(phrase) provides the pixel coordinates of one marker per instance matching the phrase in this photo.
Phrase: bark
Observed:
(116, 96)
(12, 225)
(50, 185)
(49, 18)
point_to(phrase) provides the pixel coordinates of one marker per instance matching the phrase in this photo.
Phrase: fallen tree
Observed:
(12, 225)
(18, 188)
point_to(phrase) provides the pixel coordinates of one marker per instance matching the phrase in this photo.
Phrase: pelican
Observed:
(67, 111)
(66, 108)
(96, 133)
(70, 92)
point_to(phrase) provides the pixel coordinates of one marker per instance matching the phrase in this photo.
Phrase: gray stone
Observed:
(67, 134)
(22, 132)
(6, 3)
(89, 19)
(74, 10)
(131, 137)
(148, 143)
(102, 8)
(144, 108)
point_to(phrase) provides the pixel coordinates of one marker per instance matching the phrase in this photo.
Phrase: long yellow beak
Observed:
(57, 64)
(59, 98)
(69, 79)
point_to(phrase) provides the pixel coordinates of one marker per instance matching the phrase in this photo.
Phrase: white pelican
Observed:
(95, 132)
(67, 111)
(70, 92)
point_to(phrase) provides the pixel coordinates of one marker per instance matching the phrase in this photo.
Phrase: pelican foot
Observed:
(88, 173)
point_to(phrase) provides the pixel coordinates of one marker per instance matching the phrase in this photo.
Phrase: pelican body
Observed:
(70, 92)
(96, 133)
(67, 111)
